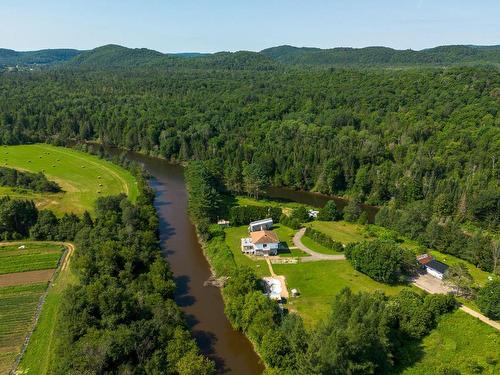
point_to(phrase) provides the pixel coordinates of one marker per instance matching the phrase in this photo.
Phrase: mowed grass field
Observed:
(319, 282)
(83, 177)
(341, 231)
(34, 256)
(17, 308)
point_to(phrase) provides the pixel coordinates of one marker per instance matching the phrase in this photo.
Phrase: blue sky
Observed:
(224, 25)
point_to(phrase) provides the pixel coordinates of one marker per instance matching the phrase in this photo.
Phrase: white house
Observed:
(436, 268)
(259, 225)
(262, 242)
(432, 266)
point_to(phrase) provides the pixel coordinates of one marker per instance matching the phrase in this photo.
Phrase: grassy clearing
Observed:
(17, 308)
(319, 282)
(39, 357)
(341, 231)
(247, 201)
(83, 177)
(35, 256)
(459, 342)
(311, 244)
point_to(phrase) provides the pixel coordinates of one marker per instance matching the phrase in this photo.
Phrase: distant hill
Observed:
(10, 57)
(443, 55)
(118, 57)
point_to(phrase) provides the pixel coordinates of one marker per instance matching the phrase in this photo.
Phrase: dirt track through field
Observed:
(29, 277)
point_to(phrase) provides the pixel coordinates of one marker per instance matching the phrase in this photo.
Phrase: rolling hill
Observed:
(443, 55)
(10, 57)
(113, 56)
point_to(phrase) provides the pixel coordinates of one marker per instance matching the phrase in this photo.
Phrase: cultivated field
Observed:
(17, 308)
(82, 177)
(34, 256)
(25, 269)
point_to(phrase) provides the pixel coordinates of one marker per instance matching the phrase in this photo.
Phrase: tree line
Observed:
(26, 180)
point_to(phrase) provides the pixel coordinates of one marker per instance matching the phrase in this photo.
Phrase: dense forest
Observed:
(382, 137)
(384, 56)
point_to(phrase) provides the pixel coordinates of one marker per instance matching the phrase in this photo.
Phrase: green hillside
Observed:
(10, 57)
(443, 55)
(118, 57)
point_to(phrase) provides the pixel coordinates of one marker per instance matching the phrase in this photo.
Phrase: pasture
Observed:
(82, 177)
(17, 308)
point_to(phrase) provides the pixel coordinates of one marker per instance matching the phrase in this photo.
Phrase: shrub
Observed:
(488, 299)
(382, 260)
(324, 239)
(290, 222)
(330, 212)
(352, 211)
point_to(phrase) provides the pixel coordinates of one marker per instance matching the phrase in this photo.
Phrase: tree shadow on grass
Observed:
(408, 353)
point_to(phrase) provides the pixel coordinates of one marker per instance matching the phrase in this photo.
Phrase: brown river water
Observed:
(202, 305)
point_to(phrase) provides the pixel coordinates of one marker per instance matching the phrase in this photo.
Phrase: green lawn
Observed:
(459, 342)
(311, 244)
(319, 282)
(233, 240)
(35, 256)
(39, 357)
(341, 231)
(83, 177)
(247, 201)
(17, 308)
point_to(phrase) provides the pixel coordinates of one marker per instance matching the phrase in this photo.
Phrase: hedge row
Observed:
(324, 239)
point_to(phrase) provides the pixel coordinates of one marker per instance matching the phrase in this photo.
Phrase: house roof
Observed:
(437, 266)
(263, 221)
(424, 259)
(264, 236)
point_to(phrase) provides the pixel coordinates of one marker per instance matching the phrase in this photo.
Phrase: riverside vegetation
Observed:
(119, 303)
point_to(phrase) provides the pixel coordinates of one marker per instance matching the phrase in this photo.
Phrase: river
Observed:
(202, 305)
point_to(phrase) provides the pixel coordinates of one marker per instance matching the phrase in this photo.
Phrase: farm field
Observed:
(35, 256)
(40, 353)
(17, 308)
(82, 177)
(25, 269)
(459, 342)
(319, 282)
